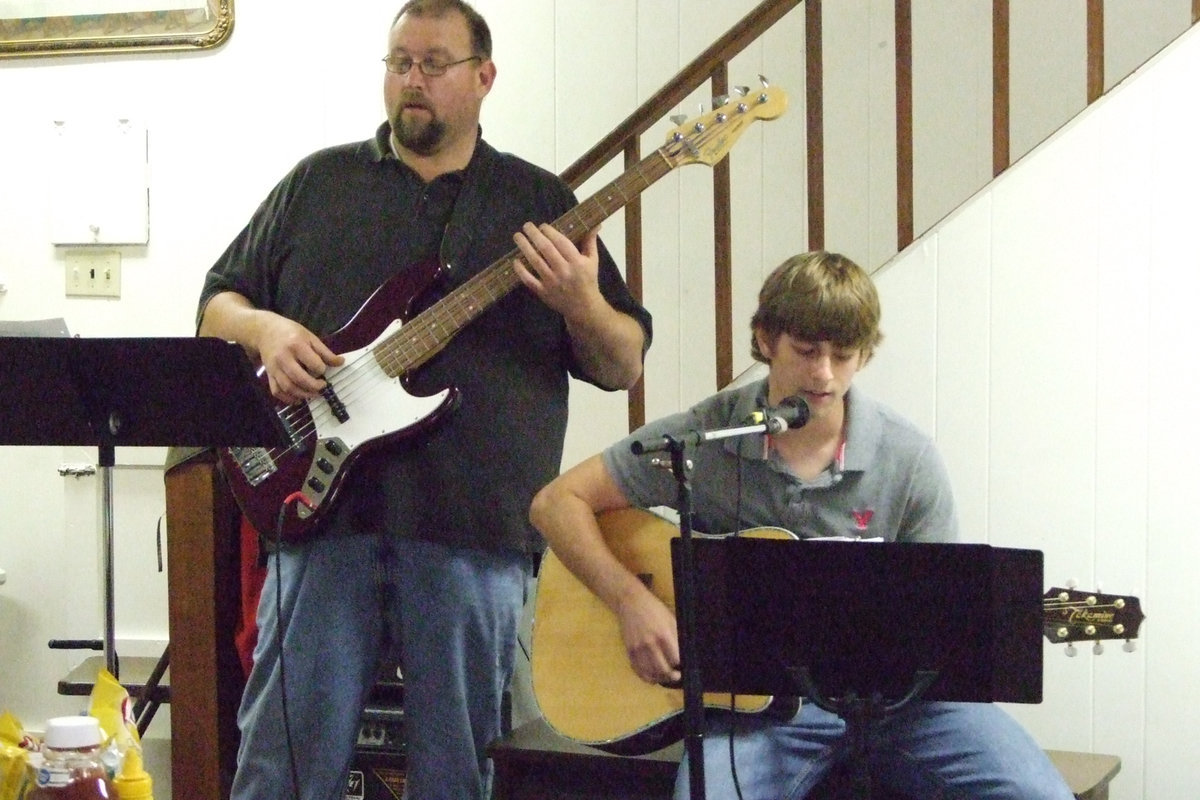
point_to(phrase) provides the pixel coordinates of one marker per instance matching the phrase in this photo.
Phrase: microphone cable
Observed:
(737, 531)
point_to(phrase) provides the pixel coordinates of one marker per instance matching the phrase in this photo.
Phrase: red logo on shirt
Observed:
(862, 518)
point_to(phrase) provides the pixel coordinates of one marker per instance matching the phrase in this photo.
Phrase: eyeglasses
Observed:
(429, 67)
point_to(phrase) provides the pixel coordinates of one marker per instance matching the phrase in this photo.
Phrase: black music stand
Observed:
(131, 392)
(862, 629)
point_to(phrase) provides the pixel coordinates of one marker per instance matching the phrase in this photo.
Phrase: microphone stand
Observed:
(685, 588)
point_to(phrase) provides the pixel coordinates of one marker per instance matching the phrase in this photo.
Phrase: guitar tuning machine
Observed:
(766, 84)
(742, 91)
(1098, 648)
(1129, 646)
(1071, 650)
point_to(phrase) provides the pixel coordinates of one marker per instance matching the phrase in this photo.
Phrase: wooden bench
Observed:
(534, 763)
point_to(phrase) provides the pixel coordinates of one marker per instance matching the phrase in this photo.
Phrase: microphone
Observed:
(792, 412)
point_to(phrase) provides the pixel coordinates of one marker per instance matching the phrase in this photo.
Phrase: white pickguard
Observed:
(377, 405)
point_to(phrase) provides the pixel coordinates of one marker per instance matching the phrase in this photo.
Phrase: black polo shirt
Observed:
(347, 219)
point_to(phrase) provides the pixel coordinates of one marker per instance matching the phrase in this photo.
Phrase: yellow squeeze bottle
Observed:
(133, 782)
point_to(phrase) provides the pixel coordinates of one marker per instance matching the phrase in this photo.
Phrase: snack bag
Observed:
(15, 746)
(110, 703)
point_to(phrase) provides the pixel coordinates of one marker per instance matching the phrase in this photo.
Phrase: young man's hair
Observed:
(481, 35)
(818, 297)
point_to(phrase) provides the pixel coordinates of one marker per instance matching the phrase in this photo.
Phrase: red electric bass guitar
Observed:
(366, 405)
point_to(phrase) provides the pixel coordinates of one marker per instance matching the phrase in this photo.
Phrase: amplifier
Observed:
(377, 770)
(381, 730)
(376, 776)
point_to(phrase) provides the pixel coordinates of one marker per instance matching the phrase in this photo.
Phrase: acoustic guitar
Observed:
(587, 691)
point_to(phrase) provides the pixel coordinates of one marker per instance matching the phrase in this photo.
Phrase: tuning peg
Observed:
(1098, 648)
(763, 80)
(1129, 646)
(678, 119)
(720, 100)
(1071, 651)
(741, 91)
(1072, 583)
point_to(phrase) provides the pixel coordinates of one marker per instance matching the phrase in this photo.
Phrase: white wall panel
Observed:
(906, 364)
(1124, 354)
(1043, 391)
(1172, 652)
(964, 257)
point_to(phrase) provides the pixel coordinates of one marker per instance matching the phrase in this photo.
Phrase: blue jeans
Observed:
(932, 751)
(348, 603)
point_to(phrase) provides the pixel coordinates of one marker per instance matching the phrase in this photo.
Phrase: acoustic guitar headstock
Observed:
(1071, 615)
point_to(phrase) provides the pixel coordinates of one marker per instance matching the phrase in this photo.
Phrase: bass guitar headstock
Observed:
(709, 138)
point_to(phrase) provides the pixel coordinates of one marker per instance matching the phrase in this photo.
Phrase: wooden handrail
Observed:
(1000, 87)
(814, 95)
(904, 125)
(673, 92)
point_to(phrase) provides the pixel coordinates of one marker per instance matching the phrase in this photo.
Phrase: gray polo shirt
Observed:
(888, 482)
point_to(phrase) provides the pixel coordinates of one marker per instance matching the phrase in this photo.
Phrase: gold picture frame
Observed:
(206, 25)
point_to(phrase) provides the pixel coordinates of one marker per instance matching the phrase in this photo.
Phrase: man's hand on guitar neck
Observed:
(607, 343)
(563, 276)
(294, 357)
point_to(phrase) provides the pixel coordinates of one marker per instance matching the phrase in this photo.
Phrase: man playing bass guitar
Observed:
(425, 557)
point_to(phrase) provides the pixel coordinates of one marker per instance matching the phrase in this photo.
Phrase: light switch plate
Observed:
(93, 273)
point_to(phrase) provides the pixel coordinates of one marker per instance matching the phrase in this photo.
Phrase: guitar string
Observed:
(398, 356)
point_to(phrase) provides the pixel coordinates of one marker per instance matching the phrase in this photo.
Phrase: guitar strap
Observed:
(434, 209)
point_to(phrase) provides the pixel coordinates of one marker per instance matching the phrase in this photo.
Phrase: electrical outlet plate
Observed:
(93, 273)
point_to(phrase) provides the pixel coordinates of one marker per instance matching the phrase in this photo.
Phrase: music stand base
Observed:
(861, 715)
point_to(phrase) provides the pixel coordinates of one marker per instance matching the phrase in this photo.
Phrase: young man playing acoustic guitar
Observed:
(427, 554)
(857, 470)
